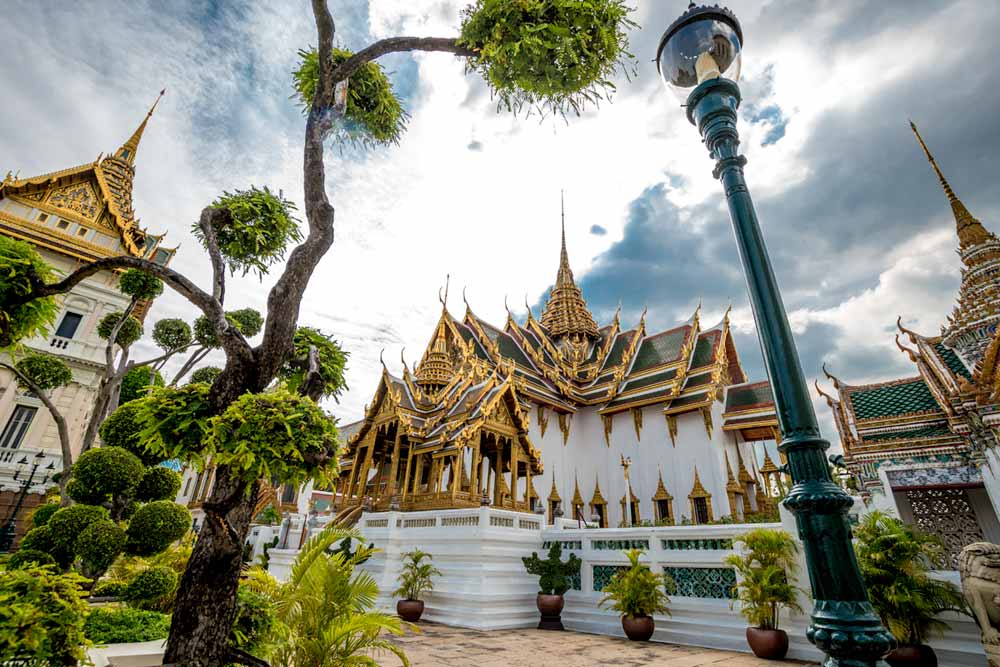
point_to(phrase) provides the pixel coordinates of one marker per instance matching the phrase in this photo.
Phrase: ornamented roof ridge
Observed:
(566, 312)
(131, 146)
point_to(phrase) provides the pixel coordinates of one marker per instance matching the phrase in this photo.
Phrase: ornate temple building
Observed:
(541, 415)
(71, 216)
(925, 446)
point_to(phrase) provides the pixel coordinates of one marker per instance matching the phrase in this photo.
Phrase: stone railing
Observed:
(10, 463)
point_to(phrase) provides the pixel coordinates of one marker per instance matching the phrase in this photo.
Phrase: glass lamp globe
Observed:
(703, 43)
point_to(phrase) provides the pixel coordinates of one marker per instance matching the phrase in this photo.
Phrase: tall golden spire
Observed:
(970, 230)
(436, 369)
(131, 147)
(566, 312)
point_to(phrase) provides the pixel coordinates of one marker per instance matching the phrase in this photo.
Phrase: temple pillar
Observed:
(474, 473)
(394, 465)
(497, 475)
(407, 470)
(514, 446)
(457, 466)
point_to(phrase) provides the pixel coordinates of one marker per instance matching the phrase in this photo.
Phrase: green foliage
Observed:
(123, 430)
(151, 583)
(43, 513)
(553, 574)
(895, 561)
(554, 55)
(255, 620)
(25, 557)
(20, 265)
(374, 115)
(109, 589)
(130, 332)
(204, 332)
(137, 382)
(42, 615)
(40, 539)
(247, 320)
(172, 334)
(118, 625)
(98, 546)
(416, 577)
(205, 374)
(67, 524)
(45, 370)
(332, 360)
(158, 483)
(260, 228)
(154, 526)
(324, 610)
(269, 516)
(174, 422)
(102, 474)
(637, 591)
(276, 435)
(764, 568)
(140, 285)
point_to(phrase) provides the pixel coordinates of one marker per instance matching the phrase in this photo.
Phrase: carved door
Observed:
(947, 513)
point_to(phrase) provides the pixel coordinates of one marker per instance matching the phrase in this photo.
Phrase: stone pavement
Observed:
(440, 646)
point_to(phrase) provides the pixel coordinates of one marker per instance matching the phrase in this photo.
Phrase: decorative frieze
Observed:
(708, 543)
(603, 574)
(619, 545)
(703, 582)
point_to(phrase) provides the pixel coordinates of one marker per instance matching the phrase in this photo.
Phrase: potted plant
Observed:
(553, 581)
(636, 593)
(764, 568)
(896, 560)
(415, 579)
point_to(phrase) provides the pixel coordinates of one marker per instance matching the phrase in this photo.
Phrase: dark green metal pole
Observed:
(844, 625)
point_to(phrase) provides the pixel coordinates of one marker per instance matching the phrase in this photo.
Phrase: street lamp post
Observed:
(699, 57)
(9, 530)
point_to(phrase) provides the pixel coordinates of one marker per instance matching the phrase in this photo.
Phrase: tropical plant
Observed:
(554, 575)
(896, 560)
(324, 611)
(41, 617)
(764, 569)
(137, 382)
(416, 577)
(269, 516)
(118, 625)
(637, 591)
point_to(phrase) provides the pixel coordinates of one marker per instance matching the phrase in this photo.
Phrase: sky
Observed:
(857, 227)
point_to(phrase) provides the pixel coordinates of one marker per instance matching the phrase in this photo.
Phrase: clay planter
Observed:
(550, 607)
(410, 610)
(912, 655)
(768, 644)
(638, 628)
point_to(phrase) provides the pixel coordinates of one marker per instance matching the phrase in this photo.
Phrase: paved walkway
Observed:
(440, 646)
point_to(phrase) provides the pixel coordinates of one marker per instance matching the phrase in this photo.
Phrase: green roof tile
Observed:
(511, 350)
(893, 400)
(468, 335)
(697, 380)
(931, 431)
(659, 349)
(658, 394)
(739, 397)
(649, 380)
(951, 360)
(703, 349)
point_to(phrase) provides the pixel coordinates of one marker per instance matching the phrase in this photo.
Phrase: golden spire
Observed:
(566, 312)
(436, 368)
(577, 497)
(131, 147)
(697, 490)
(970, 230)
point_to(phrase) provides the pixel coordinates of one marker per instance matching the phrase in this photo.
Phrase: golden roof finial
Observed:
(970, 230)
(566, 312)
(131, 147)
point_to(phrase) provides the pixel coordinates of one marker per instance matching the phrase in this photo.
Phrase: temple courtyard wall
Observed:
(484, 586)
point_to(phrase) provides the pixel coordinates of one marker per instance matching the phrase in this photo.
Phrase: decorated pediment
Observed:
(78, 198)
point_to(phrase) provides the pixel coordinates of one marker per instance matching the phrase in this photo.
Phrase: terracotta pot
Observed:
(638, 628)
(912, 655)
(768, 644)
(550, 607)
(410, 610)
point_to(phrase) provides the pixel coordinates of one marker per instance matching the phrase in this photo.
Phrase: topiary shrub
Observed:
(154, 526)
(140, 285)
(41, 617)
(332, 360)
(98, 546)
(110, 625)
(554, 576)
(172, 334)
(130, 331)
(247, 320)
(137, 382)
(68, 523)
(109, 589)
(45, 370)
(123, 429)
(158, 483)
(556, 55)
(22, 265)
(43, 513)
(205, 374)
(150, 584)
(24, 557)
(40, 539)
(101, 474)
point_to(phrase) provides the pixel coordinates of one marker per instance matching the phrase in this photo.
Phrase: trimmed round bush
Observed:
(206, 374)
(204, 332)
(40, 539)
(109, 589)
(99, 474)
(247, 320)
(43, 513)
(123, 429)
(154, 526)
(152, 583)
(25, 557)
(172, 334)
(139, 284)
(110, 625)
(68, 523)
(130, 332)
(45, 370)
(98, 546)
(137, 382)
(158, 483)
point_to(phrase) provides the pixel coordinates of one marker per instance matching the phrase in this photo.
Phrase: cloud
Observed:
(598, 230)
